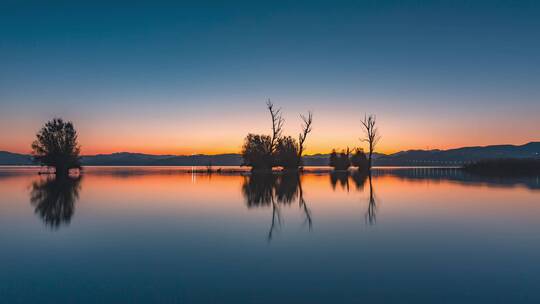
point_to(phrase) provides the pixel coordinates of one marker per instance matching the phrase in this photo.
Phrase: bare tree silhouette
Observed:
(277, 125)
(306, 129)
(372, 135)
(303, 205)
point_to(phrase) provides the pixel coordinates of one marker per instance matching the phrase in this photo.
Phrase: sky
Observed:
(193, 77)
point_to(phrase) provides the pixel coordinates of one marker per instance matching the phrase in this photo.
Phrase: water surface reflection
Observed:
(54, 199)
(274, 190)
(161, 235)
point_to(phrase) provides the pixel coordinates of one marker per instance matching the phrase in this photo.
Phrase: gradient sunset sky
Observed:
(170, 78)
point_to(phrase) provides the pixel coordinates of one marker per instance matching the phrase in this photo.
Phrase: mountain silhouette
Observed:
(459, 156)
(451, 157)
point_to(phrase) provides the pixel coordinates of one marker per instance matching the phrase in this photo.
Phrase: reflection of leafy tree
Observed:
(54, 199)
(258, 189)
(340, 161)
(287, 187)
(359, 178)
(360, 160)
(341, 177)
(262, 190)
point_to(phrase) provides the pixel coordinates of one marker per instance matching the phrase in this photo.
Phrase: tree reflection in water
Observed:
(371, 213)
(275, 190)
(54, 199)
(359, 178)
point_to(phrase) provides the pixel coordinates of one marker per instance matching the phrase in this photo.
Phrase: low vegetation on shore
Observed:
(505, 167)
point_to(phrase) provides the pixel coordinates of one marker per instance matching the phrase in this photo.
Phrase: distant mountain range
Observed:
(450, 157)
(458, 156)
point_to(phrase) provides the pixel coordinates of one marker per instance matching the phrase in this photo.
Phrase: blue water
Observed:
(405, 236)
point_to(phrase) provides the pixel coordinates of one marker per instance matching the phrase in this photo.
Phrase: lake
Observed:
(140, 235)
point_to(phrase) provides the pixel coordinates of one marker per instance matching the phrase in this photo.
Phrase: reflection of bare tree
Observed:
(371, 213)
(275, 190)
(359, 178)
(54, 199)
(303, 205)
(276, 215)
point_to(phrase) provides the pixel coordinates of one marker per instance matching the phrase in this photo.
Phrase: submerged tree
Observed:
(257, 152)
(372, 135)
(359, 159)
(263, 152)
(56, 146)
(287, 153)
(340, 161)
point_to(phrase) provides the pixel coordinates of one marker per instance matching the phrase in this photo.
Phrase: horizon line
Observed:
(313, 154)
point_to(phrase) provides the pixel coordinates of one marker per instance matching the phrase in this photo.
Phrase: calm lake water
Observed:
(139, 235)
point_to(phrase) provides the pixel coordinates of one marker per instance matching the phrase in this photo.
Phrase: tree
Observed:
(372, 135)
(257, 152)
(287, 153)
(306, 129)
(340, 161)
(359, 159)
(56, 146)
(277, 125)
(332, 161)
(263, 152)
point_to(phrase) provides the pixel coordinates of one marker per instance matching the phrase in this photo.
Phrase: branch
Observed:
(306, 129)
(277, 123)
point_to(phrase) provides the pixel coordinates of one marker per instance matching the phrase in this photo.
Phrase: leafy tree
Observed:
(287, 153)
(257, 152)
(359, 159)
(340, 161)
(56, 146)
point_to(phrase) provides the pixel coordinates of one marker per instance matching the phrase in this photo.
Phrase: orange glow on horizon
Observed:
(320, 148)
(226, 135)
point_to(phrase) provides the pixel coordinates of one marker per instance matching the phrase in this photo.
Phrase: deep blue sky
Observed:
(184, 78)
